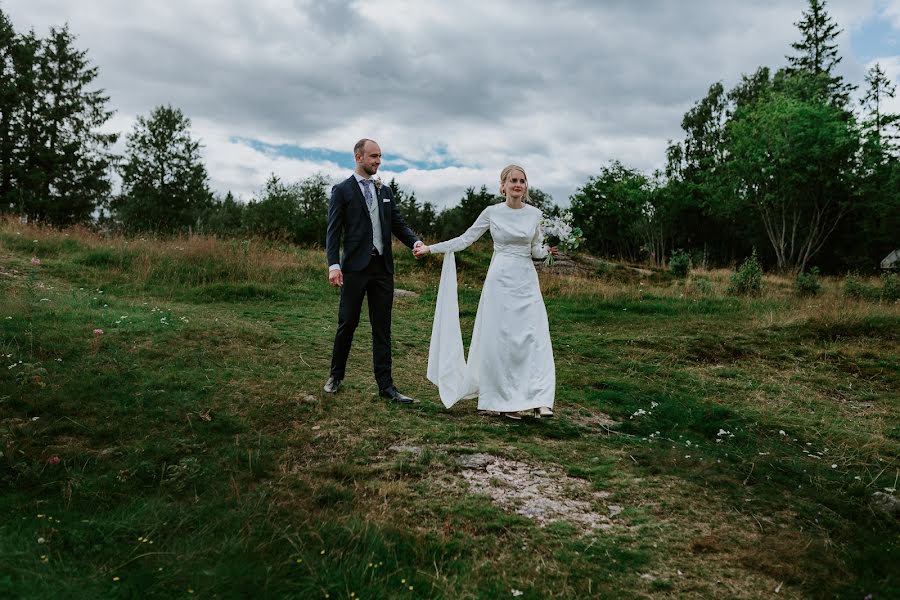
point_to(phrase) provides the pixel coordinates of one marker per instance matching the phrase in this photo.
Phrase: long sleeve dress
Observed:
(510, 364)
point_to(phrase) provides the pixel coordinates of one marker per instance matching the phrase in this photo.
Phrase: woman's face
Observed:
(515, 185)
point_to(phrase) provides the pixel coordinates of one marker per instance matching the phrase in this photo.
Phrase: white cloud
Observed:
(561, 86)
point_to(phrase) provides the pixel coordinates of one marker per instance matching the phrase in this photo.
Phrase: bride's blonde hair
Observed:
(504, 175)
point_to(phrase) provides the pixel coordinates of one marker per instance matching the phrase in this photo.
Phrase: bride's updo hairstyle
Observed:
(504, 175)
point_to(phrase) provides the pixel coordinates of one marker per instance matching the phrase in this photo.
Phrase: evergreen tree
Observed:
(817, 55)
(76, 158)
(879, 127)
(454, 221)
(164, 181)
(54, 160)
(292, 212)
(224, 217)
(9, 106)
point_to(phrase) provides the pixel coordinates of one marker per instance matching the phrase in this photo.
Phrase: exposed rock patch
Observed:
(540, 493)
(887, 504)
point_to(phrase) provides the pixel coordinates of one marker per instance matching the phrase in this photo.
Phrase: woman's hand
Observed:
(421, 250)
(553, 250)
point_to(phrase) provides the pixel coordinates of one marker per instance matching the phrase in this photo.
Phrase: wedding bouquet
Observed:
(559, 231)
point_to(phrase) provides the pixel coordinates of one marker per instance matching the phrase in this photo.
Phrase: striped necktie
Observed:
(368, 193)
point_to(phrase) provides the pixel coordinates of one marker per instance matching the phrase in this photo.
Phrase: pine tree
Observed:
(54, 160)
(26, 125)
(75, 158)
(9, 101)
(879, 127)
(164, 181)
(818, 56)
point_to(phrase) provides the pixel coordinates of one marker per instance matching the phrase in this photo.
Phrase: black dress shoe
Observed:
(392, 393)
(332, 385)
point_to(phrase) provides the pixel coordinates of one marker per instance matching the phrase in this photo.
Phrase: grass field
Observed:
(704, 445)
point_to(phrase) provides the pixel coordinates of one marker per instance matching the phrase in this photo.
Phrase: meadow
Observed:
(165, 434)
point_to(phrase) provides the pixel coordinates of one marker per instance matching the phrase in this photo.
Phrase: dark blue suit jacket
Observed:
(348, 218)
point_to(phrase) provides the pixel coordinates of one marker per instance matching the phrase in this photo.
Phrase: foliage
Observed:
(609, 208)
(791, 160)
(452, 222)
(680, 264)
(224, 217)
(747, 279)
(879, 126)
(808, 283)
(702, 285)
(856, 287)
(164, 182)
(890, 287)
(421, 218)
(817, 55)
(294, 212)
(54, 159)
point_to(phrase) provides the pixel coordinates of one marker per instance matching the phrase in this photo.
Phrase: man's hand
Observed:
(420, 250)
(336, 278)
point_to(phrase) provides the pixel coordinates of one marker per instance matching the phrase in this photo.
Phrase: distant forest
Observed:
(784, 163)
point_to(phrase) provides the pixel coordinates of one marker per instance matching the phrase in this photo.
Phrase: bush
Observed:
(702, 285)
(808, 284)
(747, 280)
(890, 290)
(680, 264)
(854, 287)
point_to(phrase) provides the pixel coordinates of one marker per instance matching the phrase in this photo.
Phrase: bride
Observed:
(510, 366)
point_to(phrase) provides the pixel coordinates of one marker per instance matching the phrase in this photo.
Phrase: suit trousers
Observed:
(376, 283)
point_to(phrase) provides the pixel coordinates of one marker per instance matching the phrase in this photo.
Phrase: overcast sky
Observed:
(452, 91)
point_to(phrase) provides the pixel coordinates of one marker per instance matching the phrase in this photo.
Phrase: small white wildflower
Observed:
(781, 431)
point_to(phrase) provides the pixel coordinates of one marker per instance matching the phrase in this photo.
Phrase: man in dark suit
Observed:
(363, 213)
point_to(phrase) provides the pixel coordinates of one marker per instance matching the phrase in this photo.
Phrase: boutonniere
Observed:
(377, 181)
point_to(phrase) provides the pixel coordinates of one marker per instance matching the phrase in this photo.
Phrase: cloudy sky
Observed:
(452, 91)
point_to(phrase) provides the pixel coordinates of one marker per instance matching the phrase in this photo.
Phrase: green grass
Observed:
(188, 449)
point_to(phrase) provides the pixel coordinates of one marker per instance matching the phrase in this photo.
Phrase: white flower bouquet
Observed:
(559, 231)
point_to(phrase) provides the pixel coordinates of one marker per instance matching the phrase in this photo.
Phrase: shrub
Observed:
(808, 284)
(890, 289)
(680, 264)
(747, 280)
(702, 285)
(854, 287)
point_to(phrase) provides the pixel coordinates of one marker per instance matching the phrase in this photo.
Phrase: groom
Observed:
(363, 213)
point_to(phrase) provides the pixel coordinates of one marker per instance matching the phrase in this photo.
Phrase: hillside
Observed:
(164, 433)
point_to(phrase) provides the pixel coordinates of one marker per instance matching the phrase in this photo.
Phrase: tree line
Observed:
(783, 163)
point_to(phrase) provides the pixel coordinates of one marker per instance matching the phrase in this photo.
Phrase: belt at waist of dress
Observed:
(517, 251)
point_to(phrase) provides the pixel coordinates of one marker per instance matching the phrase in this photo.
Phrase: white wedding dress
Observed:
(510, 365)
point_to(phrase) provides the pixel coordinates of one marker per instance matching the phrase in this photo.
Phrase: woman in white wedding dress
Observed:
(510, 365)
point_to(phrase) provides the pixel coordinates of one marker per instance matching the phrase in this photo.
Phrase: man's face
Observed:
(369, 159)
